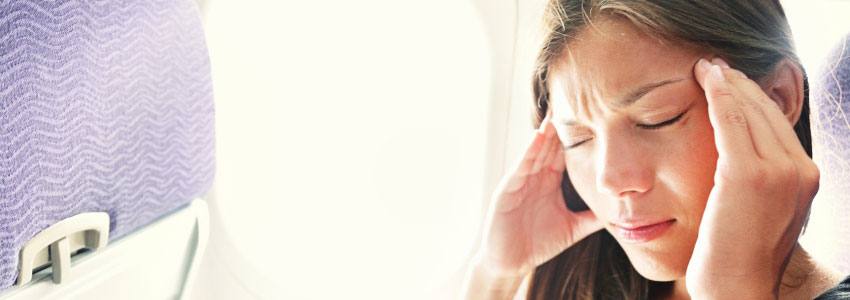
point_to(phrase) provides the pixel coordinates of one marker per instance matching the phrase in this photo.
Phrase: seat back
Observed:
(828, 223)
(105, 106)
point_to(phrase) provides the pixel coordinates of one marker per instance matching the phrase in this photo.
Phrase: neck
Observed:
(804, 278)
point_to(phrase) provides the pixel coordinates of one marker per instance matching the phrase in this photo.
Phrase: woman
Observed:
(684, 128)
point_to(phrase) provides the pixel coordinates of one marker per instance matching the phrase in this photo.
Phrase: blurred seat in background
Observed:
(830, 108)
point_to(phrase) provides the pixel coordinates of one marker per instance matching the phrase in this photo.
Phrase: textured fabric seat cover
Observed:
(105, 106)
(832, 99)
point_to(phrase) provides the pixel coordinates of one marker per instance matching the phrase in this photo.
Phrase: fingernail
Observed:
(717, 73)
(704, 64)
(720, 62)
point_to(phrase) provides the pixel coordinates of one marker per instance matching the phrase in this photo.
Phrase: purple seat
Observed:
(831, 100)
(105, 106)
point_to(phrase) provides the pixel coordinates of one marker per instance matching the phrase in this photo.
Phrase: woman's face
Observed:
(638, 143)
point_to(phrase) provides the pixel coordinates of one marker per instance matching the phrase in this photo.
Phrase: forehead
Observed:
(606, 61)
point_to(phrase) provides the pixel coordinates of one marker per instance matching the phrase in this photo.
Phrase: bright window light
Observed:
(351, 141)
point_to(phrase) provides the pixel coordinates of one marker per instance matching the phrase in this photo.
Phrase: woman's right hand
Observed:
(528, 222)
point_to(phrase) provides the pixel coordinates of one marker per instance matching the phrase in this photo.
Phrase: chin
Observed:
(661, 263)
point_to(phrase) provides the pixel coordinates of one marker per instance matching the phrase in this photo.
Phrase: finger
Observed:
(557, 162)
(548, 132)
(782, 128)
(552, 153)
(765, 141)
(535, 148)
(725, 66)
(523, 167)
(584, 223)
(731, 134)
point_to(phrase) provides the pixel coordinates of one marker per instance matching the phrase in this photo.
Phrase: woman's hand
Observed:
(528, 222)
(763, 187)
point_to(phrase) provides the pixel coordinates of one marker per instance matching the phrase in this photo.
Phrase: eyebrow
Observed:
(638, 93)
(634, 96)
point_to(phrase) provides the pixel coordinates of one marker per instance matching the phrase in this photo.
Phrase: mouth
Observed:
(641, 232)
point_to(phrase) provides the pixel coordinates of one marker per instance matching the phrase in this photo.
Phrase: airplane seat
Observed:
(106, 146)
(828, 223)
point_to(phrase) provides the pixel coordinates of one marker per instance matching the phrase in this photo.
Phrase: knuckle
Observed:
(720, 91)
(753, 175)
(786, 171)
(813, 188)
(734, 117)
(752, 104)
(811, 169)
(758, 183)
(759, 177)
(802, 177)
(761, 172)
(783, 174)
(810, 176)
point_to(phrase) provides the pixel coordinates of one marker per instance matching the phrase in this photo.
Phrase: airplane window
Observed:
(351, 140)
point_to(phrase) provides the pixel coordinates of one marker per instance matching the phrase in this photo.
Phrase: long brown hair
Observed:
(752, 35)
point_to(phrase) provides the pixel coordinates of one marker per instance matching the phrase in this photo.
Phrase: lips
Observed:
(641, 231)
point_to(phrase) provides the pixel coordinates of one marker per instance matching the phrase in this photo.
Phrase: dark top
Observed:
(840, 291)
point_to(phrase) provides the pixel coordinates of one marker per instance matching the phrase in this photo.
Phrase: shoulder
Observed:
(840, 291)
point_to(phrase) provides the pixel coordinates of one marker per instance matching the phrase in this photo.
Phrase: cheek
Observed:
(688, 173)
(583, 177)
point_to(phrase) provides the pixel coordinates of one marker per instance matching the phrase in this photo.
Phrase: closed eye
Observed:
(644, 126)
(662, 124)
(576, 144)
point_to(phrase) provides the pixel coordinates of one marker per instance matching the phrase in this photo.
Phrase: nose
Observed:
(624, 167)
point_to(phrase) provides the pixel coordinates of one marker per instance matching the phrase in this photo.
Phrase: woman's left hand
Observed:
(763, 187)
